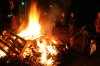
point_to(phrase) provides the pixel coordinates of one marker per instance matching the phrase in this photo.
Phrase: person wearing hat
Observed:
(71, 23)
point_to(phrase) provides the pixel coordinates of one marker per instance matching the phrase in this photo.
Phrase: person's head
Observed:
(92, 41)
(99, 14)
(13, 17)
(72, 14)
(62, 14)
(88, 29)
(85, 31)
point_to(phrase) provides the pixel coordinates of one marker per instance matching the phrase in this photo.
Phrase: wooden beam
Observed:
(9, 47)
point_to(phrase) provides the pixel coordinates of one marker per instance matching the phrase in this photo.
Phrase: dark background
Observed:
(85, 11)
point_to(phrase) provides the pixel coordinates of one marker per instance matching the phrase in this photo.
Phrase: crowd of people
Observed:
(91, 37)
(90, 33)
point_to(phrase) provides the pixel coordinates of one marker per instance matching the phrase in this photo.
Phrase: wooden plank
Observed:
(8, 54)
(9, 47)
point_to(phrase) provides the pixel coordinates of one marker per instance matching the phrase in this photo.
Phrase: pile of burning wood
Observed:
(30, 47)
(42, 51)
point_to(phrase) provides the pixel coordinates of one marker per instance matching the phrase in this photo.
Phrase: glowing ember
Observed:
(2, 54)
(46, 49)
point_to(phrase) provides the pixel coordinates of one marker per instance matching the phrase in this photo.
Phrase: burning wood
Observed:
(9, 47)
(39, 50)
(5, 52)
(39, 47)
(13, 42)
(42, 49)
(16, 36)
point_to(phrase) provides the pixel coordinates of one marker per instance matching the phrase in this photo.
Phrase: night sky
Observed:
(85, 12)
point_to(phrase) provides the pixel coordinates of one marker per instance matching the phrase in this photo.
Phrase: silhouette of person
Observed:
(71, 24)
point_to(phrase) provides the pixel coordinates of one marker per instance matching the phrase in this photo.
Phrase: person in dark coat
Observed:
(14, 25)
(97, 24)
(89, 33)
(63, 23)
(71, 24)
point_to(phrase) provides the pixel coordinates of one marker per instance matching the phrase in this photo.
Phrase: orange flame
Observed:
(34, 27)
(2, 54)
(33, 31)
(46, 49)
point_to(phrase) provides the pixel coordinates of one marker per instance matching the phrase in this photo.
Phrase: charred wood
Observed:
(14, 42)
(5, 52)
(9, 47)
(16, 35)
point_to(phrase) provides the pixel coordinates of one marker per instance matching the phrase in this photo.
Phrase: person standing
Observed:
(20, 21)
(62, 23)
(14, 25)
(89, 34)
(97, 24)
(71, 24)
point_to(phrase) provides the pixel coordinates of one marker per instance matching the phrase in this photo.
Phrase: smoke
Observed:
(54, 13)
(51, 10)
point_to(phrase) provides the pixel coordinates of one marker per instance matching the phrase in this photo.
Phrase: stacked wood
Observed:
(17, 46)
(13, 42)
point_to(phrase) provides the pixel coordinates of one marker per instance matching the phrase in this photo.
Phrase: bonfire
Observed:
(30, 45)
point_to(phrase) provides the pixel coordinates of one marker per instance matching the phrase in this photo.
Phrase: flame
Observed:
(34, 27)
(33, 30)
(2, 54)
(46, 49)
